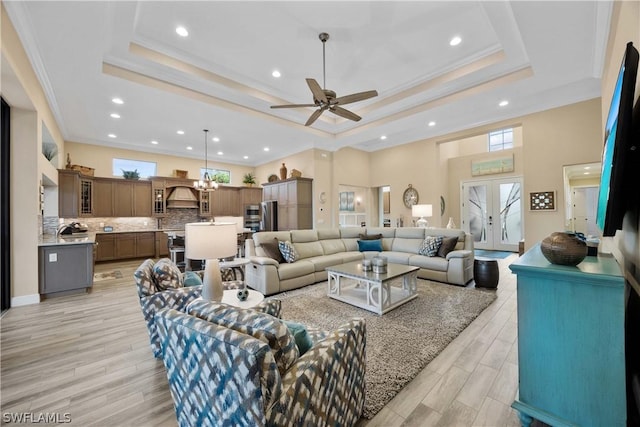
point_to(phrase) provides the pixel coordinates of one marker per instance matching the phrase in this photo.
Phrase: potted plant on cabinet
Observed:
(249, 179)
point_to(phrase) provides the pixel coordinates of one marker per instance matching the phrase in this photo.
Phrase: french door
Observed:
(492, 213)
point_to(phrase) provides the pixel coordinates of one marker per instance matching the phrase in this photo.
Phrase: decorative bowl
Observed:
(564, 248)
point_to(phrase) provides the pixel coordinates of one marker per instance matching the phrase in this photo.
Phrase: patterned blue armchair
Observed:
(253, 375)
(159, 286)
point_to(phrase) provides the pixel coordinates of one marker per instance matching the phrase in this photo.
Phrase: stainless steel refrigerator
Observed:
(269, 220)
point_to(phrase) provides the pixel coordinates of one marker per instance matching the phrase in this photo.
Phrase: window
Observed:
(218, 175)
(501, 139)
(145, 169)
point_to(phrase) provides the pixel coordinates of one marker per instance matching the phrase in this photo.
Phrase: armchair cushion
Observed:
(264, 327)
(167, 275)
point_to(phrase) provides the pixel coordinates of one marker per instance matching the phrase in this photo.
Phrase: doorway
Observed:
(585, 206)
(492, 213)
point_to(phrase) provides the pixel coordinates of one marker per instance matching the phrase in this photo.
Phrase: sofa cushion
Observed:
(408, 245)
(272, 250)
(288, 251)
(304, 236)
(350, 256)
(397, 257)
(308, 249)
(332, 246)
(370, 245)
(297, 269)
(166, 275)
(448, 244)
(430, 245)
(322, 262)
(328, 233)
(259, 325)
(429, 263)
(410, 233)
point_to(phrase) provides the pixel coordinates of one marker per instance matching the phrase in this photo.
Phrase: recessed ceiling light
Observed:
(503, 103)
(216, 139)
(220, 153)
(432, 123)
(586, 173)
(383, 137)
(455, 41)
(587, 167)
(182, 31)
(115, 115)
(189, 148)
(154, 142)
(112, 135)
(180, 132)
(117, 101)
(266, 148)
(276, 73)
(245, 157)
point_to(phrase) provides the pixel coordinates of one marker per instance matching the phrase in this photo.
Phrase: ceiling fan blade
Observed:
(293, 105)
(339, 111)
(355, 97)
(314, 116)
(317, 91)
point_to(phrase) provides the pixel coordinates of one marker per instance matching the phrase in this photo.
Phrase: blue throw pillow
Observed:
(370, 245)
(300, 335)
(191, 278)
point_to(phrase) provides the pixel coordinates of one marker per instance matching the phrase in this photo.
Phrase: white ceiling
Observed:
(536, 55)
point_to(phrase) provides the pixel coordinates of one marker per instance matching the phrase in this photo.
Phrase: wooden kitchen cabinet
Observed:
(126, 245)
(250, 196)
(105, 247)
(132, 198)
(162, 244)
(295, 202)
(145, 244)
(225, 201)
(103, 197)
(75, 194)
(65, 267)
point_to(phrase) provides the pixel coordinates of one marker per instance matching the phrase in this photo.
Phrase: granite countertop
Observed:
(68, 239)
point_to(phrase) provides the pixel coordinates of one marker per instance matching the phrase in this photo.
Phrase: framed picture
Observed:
(542, 201)
(492, 166)
(347, 201)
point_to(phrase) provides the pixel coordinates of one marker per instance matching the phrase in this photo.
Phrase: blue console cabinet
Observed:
(571, 356)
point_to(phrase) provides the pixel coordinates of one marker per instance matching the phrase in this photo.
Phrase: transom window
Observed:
(501, 139)
(218, 175)
(145, 169)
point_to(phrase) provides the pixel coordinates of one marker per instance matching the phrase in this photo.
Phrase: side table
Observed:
(237, 264)
(486, 273)
(231, 297)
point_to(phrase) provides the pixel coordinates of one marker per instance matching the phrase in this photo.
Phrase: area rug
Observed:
(403, 341)
(107, 275)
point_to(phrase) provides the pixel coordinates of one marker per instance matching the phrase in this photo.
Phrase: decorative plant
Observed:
(249, 178)
(50, 151)
(130, 174)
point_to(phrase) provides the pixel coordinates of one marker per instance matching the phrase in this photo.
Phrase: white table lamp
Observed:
(422, 211)
(210, 241)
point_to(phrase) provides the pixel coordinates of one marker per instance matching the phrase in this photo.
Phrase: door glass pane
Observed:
(477, 210)
(510, 213)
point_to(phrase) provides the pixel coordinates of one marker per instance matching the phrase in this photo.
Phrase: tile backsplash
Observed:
(175, 219)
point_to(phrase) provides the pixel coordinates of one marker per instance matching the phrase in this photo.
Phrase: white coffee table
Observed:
(231, 297)
(377, 292)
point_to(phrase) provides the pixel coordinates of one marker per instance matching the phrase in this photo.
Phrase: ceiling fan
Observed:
(326, 99)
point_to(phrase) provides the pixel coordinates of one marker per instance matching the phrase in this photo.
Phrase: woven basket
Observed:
(563, 248)
(83, 170)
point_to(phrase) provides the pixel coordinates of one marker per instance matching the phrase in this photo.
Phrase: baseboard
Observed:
(25, 300)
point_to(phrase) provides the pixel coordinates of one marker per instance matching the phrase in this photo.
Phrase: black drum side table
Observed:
(486, 273)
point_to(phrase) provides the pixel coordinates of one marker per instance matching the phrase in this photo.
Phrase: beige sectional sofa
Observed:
(318, 249)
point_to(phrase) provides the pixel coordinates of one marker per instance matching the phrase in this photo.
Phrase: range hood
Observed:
(182, 197)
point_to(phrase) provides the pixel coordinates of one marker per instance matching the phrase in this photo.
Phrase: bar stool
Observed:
(176, 251)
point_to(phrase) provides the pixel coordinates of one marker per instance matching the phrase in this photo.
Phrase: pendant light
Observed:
(206, 183)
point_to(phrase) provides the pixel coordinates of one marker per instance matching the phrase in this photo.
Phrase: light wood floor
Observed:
(88, 356)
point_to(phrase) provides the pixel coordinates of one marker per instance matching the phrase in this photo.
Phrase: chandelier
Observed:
(206, 183)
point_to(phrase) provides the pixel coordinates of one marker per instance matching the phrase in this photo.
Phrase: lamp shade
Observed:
(422, 210)
(207, 240)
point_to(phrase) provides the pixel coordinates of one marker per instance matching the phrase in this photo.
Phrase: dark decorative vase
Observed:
(564, 248)
(283, 172)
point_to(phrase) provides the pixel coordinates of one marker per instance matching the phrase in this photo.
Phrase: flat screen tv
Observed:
(618, 156)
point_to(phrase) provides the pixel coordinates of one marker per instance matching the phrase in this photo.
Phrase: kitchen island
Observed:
(65, 263)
